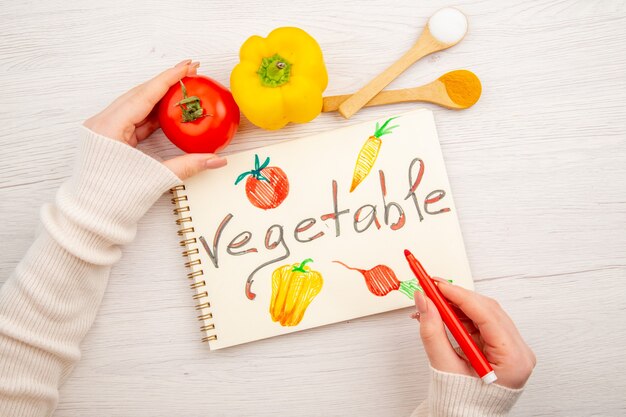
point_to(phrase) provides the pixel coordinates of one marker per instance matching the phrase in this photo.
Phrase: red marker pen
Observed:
(452, 322)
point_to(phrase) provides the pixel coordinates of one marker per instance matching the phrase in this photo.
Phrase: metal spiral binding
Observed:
(195, 264)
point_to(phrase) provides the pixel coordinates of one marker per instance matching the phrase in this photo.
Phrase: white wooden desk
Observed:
(538, 169)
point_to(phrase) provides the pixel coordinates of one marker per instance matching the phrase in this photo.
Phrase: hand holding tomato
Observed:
(198, 114)
(132, 117)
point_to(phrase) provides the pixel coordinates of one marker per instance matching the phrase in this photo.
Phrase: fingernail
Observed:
(440, 280)
(215, 162)
(420, 303)
(193, 67)
(184, 62)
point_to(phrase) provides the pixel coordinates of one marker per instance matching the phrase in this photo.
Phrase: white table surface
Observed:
(538, 169)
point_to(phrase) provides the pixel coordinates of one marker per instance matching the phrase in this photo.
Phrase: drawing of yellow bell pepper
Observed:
(279, 79)
(293, 288)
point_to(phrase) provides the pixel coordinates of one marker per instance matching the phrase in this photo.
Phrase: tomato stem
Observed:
(256, 172)
(190, 106)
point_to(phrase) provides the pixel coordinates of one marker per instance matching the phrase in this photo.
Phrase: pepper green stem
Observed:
(274, 71)
(300, 268)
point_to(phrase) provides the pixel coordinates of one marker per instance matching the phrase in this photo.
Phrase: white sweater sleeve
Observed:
(51, 299)
(453, 395)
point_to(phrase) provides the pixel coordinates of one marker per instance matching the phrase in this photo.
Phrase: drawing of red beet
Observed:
(266, 187)
(381, 280)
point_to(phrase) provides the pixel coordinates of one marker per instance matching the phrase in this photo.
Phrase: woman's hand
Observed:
(132, 117)
(489, 325)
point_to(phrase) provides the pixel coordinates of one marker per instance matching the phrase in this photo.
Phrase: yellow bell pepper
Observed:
(279, 79)
(293, 289)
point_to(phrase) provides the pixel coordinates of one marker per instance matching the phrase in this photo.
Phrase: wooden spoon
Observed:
(445, 28)
(457, 90)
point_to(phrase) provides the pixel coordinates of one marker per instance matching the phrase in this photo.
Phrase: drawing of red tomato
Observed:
(266, 187)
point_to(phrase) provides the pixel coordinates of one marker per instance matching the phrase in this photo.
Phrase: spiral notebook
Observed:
(312, 231)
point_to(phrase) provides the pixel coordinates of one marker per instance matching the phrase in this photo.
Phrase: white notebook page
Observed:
(429, 229)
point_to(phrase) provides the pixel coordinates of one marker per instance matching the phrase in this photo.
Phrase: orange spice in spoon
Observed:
(457, 90)
(462, 86)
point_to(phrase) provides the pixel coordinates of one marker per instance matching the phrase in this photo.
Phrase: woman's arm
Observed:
(50, 301)
(455, 389)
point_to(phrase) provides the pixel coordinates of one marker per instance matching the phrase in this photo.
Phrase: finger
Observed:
(478, 339)
(476, 307)
(151, 123)
(459, 313)
(121, 100)
(153, 90)
(188, 165)
(193, 68)
(121, 103)
(469, 325)
(486, 314)
(440, 352)
(147, 126)
(140, 101)
(474, 334)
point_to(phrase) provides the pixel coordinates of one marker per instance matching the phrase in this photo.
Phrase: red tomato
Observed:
(203, 120)
(266, 187)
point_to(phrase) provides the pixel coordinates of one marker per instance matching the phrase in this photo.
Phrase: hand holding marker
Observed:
(486, 328)
(460, 333)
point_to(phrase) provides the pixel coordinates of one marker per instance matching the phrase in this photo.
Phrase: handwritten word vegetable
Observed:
(293, 289)
(368, 154)
(199, 115)
(381, 280)
(280, 79)
(266, 187)
(232, 239)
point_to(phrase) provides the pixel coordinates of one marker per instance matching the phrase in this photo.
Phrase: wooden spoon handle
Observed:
(332, 103)
(425, 45)
(433, 92)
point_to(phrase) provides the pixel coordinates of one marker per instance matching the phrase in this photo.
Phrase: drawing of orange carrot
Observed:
(369, 152)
